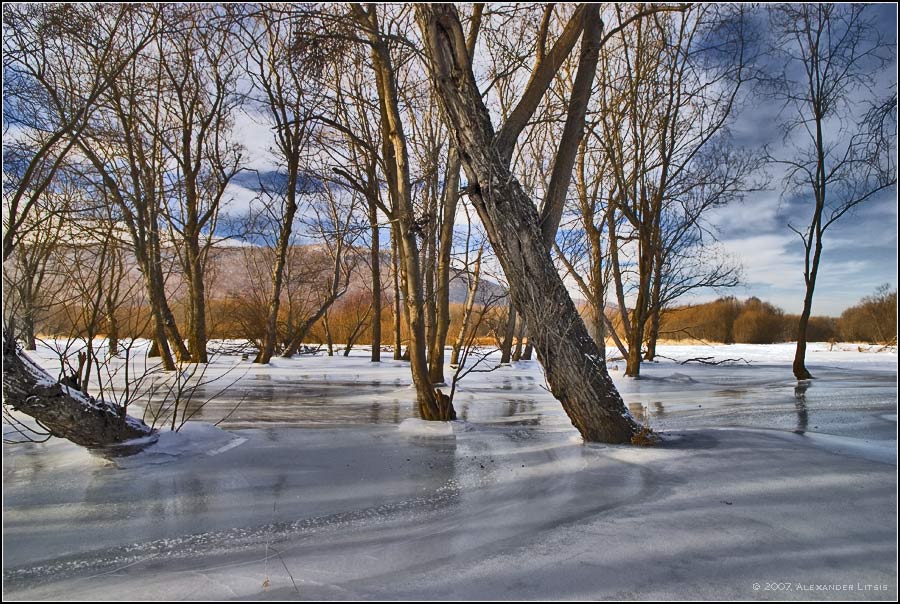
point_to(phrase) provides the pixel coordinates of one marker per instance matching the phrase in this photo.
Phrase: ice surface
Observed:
(322, 485)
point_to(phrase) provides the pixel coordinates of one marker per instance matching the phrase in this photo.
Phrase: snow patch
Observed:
(193, 438)
(421, 427)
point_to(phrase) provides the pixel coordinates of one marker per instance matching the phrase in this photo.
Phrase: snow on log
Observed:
(64, 411)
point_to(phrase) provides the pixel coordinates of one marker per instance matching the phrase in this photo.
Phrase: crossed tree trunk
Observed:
(571, 360)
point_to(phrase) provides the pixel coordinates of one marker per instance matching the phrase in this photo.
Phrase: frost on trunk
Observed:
(569, 355)
(64, 411)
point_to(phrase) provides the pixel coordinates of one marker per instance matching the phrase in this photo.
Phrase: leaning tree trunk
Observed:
(197, 336)
(571, 361)
(65, 411)
(639, 316)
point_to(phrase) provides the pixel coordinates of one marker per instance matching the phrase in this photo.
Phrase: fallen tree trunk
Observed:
(63, 410)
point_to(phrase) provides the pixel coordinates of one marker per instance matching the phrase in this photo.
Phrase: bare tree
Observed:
(52, 85)
(432, 405)
(28, 278)
(62, 410)
(123, 146)
(837, 154)
(668, 87)
(199, 72)
(360, 166)
(283, 71)
(335, 225)
(569, 356)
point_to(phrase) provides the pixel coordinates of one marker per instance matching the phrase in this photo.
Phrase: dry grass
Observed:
(645, 437)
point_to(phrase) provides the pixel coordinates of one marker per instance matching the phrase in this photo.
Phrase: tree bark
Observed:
(812, 245)
(329, 341)
(577, 377)
(655, 310)
(197, 333)
(799, 365)
(112, 332)
(28, 331)
(520, 334)
(526, 354)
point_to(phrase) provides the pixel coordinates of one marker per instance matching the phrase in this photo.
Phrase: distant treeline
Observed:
(754, 321)
(728, 320)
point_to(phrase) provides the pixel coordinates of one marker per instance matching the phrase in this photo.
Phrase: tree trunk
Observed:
(328, 339)
(376, 282)
(281, 251)
(28, 330)
(529, 348)
(517, 352)
(655, 311)
(197, 335)
(432, 404)
(600, 329)
(445, 246)
(160, 332)
(620, 290)
(166, 329)
(428, 265)
(467, 310)
(639, 315)
(814, 241)
(65, 411)
(509, 333)
(799, 366)
(112, 328)
(577, 377)
(395, 262)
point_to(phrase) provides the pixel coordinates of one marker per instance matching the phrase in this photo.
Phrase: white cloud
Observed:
(254, 132)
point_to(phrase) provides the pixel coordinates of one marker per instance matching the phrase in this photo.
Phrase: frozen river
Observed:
(316, 488)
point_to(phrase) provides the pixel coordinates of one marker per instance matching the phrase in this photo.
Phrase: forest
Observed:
(206, 204)
(124, 159)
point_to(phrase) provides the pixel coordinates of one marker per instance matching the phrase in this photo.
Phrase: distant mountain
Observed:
(241, 271)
